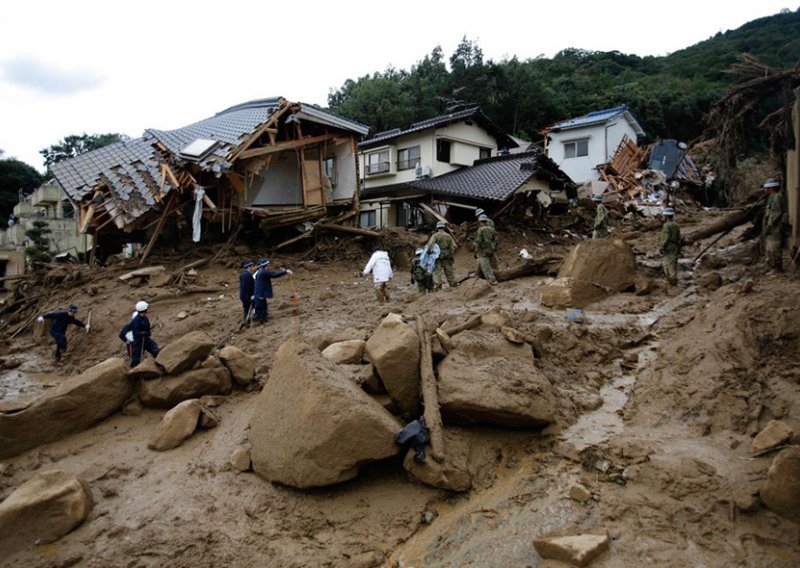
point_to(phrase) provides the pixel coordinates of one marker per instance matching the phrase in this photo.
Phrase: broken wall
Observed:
(278, 184)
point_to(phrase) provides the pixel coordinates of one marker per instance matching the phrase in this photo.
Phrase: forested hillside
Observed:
(669, 95)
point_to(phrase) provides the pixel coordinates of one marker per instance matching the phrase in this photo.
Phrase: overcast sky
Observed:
(68, 67)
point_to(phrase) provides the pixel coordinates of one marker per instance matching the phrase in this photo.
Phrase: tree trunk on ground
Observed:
(527, 268)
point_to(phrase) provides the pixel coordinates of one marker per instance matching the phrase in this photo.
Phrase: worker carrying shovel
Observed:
(58, 329)
(247, 289)
(136, 335)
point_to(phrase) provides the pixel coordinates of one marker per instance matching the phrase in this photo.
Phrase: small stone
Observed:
(513, 335)
(240, 459)
(208, 419)
(133, 407)
(747, 503)
(428, 517)
(578, 550)
(182, 315)
(580, 493)
(773, 435)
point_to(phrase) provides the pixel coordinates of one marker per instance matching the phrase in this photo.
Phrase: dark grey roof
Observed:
(497, 178)
(475, 113)
(129, 169)
(670, 158)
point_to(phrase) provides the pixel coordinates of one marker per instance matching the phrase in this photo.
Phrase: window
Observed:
(408, 158)
(367, 219)
(329, 166)
(576, 148)
(377, 162)
(485, 153)
(443, 151)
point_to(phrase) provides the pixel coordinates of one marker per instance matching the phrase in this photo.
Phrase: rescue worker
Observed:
(447, 248)
(419, 276)
(670, 245)
(381, 268)
(263, 290)
(247, 288)
(58, 329)
(600, 218)
(772, 226)
(479, 212)
(136, 335)
(486, 244)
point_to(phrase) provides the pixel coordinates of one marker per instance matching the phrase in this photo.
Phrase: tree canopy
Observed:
(15, 176)
(76, 144)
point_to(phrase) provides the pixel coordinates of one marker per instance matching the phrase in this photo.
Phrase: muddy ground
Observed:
(658, 398)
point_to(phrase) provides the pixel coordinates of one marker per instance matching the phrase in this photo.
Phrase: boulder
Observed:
(183, 353)
(452, 473)
(210, 362)
(176, 426)
(241, 365)
(577, 550)
(579, 492)
(208, 418)
(312, 426)
(773, 435)
(593, 270)
(370, 381)
(487, 379)
(781, 490)
(147, 369)
(166, 392)
(394, 350)
(345, 352)
(494, 319)
(43, 509)
(240, 459)
(72, 406)
(132, 407)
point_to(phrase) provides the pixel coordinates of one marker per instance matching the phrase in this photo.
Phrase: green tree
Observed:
(39, 250)
(76, 144)
(15, 176)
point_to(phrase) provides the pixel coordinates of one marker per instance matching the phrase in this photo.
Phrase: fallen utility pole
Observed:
(727, 223)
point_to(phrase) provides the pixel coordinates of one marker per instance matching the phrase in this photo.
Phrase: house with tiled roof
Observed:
(270, 160)
(580, 144)
(391, 161)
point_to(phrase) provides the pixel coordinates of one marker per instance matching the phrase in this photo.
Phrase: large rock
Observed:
(72, 406)
(487, 379)
(452, 473)
(781, 490)
(345, 352)
(594, 269)
(42, 510)
(241, 365)
(394, 350)
(577, 550)
(166, 392)
(147, 369)
(183, 353)
(773, 435)
(312, 426)
(176, 426)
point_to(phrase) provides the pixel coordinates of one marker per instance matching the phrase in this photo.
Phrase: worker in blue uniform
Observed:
(247, 288)
(58, 329)
(263, 289)
(136, 335)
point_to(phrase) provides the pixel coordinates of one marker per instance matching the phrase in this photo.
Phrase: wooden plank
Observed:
(432, 211)
(430, 394)
(346, 229)
(283, 146)
(158, 229)
(86, 218)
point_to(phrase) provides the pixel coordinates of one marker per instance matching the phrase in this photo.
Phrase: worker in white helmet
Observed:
(136, 335)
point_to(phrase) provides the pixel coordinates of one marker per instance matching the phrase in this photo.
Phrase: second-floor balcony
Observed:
(377, 168)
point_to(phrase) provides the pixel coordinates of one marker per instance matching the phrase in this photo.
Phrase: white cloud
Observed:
(28, 72)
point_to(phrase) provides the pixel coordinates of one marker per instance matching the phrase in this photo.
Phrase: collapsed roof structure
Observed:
(272, 159)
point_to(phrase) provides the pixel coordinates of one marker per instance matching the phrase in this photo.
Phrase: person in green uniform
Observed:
(479, 212)
(486, 245)
(670, 244)
(600, 218)
(772, 227)
(419, 276)
(447, 248)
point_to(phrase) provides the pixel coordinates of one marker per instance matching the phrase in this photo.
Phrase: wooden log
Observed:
(528, 267)
(430, 394)
(472, 321)
(354, 230)
(725, 224)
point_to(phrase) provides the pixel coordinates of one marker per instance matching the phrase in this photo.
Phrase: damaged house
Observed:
(279, 165)
(392, 161)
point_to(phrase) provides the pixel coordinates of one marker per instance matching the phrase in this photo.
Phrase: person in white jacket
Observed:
(381, 268)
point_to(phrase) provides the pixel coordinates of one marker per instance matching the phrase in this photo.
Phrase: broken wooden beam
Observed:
(472, 321)
(430, 395)
(725, 224)
(283, 146)
(533, 266)
(346, 229)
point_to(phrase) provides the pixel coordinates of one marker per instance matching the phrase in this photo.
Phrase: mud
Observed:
(658, 397)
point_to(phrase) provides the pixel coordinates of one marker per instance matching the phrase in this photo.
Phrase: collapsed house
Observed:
(278, 164)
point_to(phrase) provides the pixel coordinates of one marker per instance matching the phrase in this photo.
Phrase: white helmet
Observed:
(141, 306)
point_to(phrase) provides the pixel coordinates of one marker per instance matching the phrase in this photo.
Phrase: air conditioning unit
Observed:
(422, 172)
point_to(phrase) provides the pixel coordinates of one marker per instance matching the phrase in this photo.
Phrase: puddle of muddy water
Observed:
(27, 381)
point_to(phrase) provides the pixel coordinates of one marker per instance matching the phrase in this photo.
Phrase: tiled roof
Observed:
(130, 169)
(598, 117)
(497, 178)
(503, 140)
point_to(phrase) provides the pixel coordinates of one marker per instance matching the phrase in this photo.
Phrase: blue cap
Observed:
(668, 212)
(262, 262)
(72, 308)
(248, 264)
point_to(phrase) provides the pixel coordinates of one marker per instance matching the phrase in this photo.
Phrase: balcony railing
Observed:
(379, 168)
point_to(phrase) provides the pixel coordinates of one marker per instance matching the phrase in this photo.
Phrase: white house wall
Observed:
(346, 180)
(603, 141)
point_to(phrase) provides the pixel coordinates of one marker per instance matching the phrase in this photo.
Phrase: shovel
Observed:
(295, 296)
